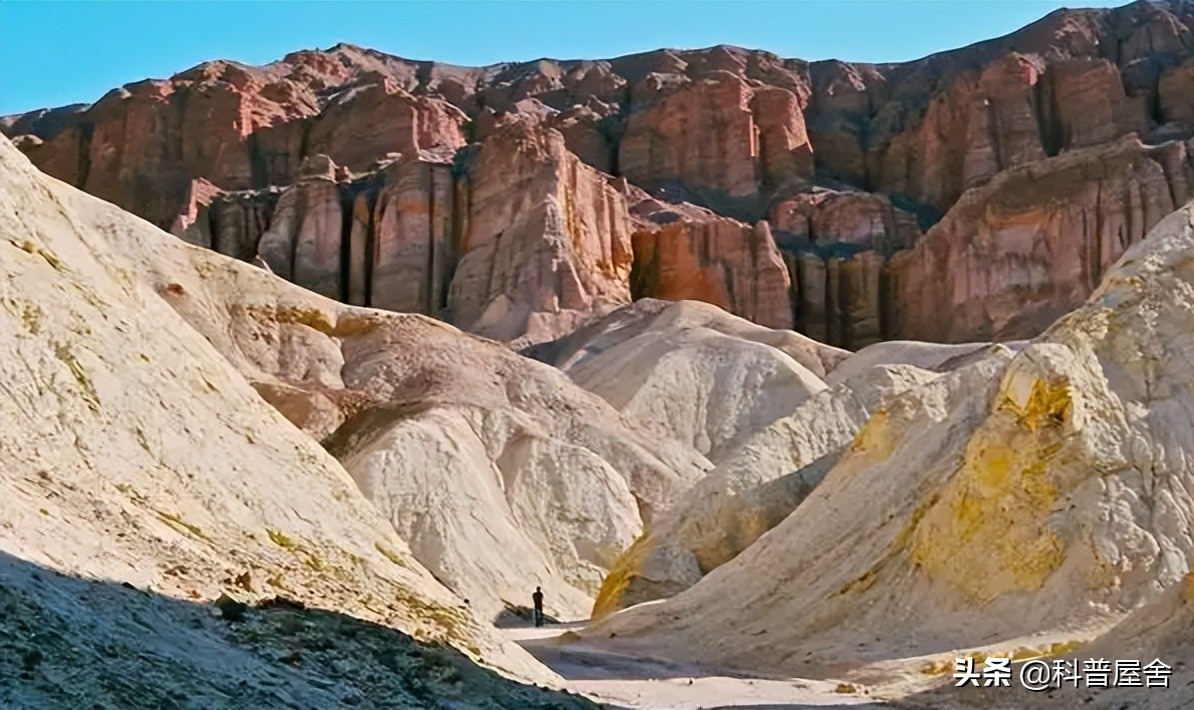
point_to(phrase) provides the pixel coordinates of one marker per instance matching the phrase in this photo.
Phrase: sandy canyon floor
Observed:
(641, 679)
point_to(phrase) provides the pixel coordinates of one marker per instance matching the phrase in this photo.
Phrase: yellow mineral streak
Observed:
(874, 440)
(1048, 405)
(737, 526)
(315, 318)
(625, 568)
(947, 665)
(989, 532)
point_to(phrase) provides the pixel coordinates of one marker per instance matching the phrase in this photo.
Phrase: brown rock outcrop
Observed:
(370, 121)
(840, 300)
(1030, 246)
(952, 120)
(744, 133)
(231, 223)
(545, 240)
(862, 219)
(302, 243)
(1175, 89)
(142, 145)
(683, 252)
(1087, 104)
(1003, 130)
(403, 259)
(717, 134)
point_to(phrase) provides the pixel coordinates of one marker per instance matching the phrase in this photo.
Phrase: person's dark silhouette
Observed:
(538, 597)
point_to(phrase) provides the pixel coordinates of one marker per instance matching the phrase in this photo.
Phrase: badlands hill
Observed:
(498, 471)
(691, 372)
(1017, 502)
(143, 478)
(972, 195)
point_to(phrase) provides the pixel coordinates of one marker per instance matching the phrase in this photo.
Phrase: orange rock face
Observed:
(546, 243)
(1004, 263)
(717, 134)
(371, 121)
(484, 194)
(302, 243)
(402, 260)
(860, 219)
(685, 252)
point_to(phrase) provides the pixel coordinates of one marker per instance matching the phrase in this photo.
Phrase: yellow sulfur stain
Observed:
(989, 534)
(905, 535)
(874, 440)
(1048, 405)
(316, 319)
(738, 527)
(625, 568)
(948, 665)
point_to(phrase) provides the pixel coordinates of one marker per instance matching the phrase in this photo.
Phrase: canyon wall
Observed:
(974, 193)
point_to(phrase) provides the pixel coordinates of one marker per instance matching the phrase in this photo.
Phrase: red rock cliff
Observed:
(1007, 149)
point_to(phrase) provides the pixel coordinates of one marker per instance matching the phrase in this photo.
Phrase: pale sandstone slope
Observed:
(692, 372)
(649, 314)
(753, 488)
(1162, 629)
(1048, 499)
(132, 451)
(936, 357)
(697, 385)
(497, 470)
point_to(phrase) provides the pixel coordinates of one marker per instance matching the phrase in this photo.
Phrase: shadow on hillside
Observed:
(70, 642)
(521, 616)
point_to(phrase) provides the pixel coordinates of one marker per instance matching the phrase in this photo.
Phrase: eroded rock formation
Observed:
(137, 453)
(851, 158)
(1066, 463)
(686, 252)
(1003, 263)
(495, 469)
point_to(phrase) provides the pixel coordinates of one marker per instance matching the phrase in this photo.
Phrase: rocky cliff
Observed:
(887, 188)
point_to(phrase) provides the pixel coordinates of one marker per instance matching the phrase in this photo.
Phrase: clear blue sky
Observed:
(54, 53)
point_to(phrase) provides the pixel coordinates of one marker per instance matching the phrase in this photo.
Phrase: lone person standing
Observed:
(538, 597)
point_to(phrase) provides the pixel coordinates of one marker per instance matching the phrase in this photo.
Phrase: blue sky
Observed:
(54, 53)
